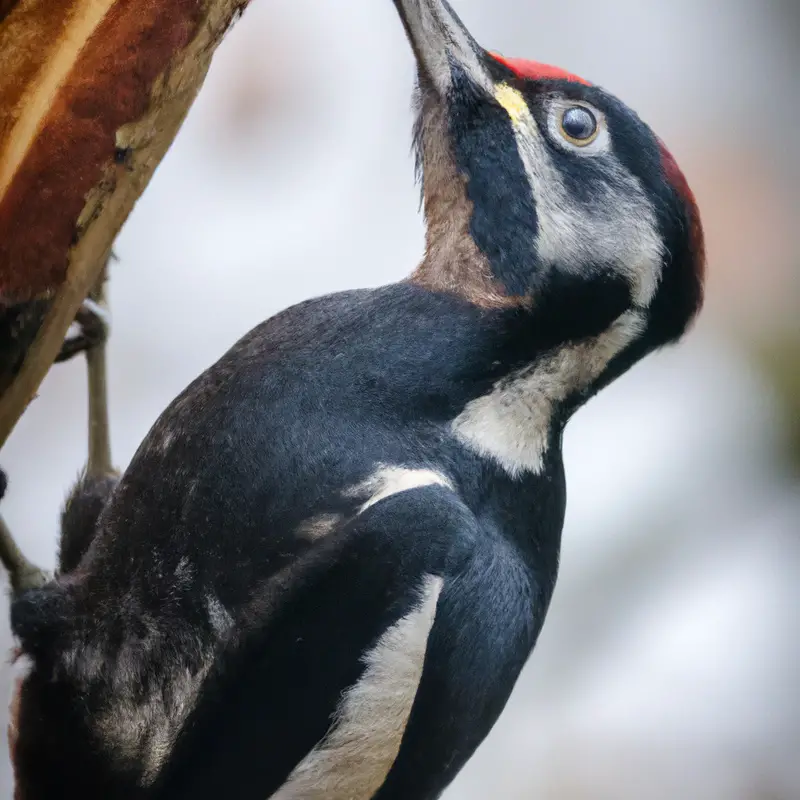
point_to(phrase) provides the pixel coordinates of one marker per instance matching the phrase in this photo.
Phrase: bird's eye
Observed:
(579, 126)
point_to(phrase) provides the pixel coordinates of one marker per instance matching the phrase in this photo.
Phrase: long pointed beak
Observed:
(441, 41)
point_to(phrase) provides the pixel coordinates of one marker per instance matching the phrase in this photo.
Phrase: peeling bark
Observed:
(92, 94)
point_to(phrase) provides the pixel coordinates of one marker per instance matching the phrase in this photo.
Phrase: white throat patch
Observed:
(512, 424)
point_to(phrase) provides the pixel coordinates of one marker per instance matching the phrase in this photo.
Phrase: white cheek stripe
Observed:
(618, 229)
(390, 480)
(354, 758)
(512, 424)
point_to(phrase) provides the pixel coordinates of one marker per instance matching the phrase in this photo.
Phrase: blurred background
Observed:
(669, 666)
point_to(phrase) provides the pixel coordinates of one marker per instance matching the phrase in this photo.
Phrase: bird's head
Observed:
(543, 191)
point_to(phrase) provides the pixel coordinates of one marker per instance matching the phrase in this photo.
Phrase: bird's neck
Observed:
(505, 379)
(453, 262)
(513, 422)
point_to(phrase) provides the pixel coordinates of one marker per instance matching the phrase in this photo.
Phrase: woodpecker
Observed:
(330, 558)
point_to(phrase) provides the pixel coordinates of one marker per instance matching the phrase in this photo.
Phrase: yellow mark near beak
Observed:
(512, 101)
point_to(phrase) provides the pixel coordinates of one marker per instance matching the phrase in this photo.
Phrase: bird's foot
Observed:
(93, 325)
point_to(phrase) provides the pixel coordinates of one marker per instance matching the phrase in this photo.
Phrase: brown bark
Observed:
(92, 94)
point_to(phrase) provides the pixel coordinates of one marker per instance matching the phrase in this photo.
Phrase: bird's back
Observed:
(288, 432)
(292, 505)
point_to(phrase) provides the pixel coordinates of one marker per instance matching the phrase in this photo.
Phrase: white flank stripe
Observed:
(353, 760)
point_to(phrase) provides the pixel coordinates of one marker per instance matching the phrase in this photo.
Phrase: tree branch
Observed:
(87, 112)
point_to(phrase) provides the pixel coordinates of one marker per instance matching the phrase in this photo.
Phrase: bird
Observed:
(326, 565)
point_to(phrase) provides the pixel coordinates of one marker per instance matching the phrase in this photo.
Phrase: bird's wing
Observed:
(381, 640)
(487, 619)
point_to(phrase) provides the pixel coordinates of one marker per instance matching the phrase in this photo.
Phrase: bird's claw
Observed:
(93, 322)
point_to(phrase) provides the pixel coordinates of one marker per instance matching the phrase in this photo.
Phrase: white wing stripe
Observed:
(354, 758)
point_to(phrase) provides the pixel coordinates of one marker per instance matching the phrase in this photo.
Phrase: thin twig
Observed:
(99, 463)
(22, 573)
(45, 348)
